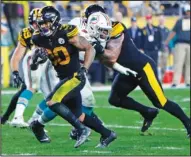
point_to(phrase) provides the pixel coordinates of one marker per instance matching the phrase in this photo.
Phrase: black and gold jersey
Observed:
(63, 55)
(130, 56)
(25, 36)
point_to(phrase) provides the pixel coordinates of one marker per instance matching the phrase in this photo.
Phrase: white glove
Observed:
(124, 70)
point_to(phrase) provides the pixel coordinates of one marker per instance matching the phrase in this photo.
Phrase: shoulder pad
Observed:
(117, 29)
(71, 30)
(25, 36)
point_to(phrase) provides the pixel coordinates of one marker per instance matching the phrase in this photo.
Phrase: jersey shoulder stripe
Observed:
(117, 29)
(71, 30)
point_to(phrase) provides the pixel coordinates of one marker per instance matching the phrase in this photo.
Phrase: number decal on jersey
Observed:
(26, 33)
(59, 55)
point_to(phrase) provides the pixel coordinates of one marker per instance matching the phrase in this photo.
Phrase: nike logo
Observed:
(45, 139)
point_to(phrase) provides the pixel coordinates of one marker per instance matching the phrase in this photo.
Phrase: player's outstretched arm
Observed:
(111, 53)
(17, 56)
(15, 59)
(82, 44)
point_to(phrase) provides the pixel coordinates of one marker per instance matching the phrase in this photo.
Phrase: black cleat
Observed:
(38, 131)
(4, 119)
(74, 133)
(188, 128)
(148, 119)
(104, 142)
(82, 137)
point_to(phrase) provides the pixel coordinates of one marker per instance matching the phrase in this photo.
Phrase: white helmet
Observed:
(99, 26)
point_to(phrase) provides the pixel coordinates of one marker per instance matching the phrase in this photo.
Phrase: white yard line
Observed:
(94, 151)
(25, 154)
(168, 148)
(121, 126)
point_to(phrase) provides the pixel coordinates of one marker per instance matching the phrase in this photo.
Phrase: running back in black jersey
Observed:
(63, 55)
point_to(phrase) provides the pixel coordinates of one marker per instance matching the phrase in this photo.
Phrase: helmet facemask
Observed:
(47, 27)
(33, 19)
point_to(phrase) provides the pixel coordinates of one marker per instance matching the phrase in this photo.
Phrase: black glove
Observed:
(81, 74)
(39, 53)
(98, 47)
(17, 79)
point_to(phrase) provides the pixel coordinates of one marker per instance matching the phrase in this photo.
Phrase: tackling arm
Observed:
(111, 54)
(82, 44)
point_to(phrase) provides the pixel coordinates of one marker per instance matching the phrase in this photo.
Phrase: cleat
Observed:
(38, 131)
(18, 122)
(32, 119)
(152, 113)
(4, 119)
(82, 137)
(104, 142)
(74, 133)
(188, 128)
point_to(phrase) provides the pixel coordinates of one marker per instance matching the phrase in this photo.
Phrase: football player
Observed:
(120, 48)
(88, 99)
(91, 34)
(62, 44)
(33, 78)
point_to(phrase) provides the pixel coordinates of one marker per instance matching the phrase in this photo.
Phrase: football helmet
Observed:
(92, 9)
(48, 20)
(88, 11)
(33, 18)
(99, 26)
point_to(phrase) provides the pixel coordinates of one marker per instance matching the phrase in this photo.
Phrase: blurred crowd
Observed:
(159, 41)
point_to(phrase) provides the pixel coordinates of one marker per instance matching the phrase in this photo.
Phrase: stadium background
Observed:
(14, 15)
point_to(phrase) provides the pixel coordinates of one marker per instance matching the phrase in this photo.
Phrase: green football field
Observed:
(167, 135)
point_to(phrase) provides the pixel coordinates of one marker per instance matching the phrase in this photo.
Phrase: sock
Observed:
(39, 110)
(66, 114)
(12, 105)
(47, 116)
(131, 104)
(42, 106)
(175, 110)
(97, 118)
(22, 103)
(96, 126)
(87, 110)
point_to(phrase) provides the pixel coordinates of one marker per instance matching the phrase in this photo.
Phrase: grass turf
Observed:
(168, 134)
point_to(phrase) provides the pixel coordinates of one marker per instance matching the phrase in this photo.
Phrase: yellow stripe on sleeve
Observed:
(22, 41)
(117, 29)
(154, 84)
(73, 33)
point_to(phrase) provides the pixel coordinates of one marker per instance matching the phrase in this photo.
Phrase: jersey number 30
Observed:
(59, 55)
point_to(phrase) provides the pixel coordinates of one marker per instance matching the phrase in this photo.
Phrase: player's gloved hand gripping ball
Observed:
(39, 57)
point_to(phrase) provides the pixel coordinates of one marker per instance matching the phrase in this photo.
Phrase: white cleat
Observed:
(19, 122)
